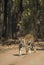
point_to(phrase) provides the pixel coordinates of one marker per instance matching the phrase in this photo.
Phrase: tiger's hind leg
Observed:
(34, 47)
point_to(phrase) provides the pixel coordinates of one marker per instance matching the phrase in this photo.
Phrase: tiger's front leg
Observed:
(26, 47)
(20, 49)
(29, 50)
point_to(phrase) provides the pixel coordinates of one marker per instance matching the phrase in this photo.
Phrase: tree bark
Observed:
(4, 32)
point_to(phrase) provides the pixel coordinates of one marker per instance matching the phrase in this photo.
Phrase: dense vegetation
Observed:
(19, 17)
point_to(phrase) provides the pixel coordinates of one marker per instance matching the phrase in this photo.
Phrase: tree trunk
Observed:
(4, 32)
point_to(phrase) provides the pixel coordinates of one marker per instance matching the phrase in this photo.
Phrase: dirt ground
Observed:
(12, 57)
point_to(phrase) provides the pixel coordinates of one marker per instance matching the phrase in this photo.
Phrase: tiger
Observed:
(28, 42)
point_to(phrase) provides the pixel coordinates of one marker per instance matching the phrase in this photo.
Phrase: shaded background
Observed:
(20, 17)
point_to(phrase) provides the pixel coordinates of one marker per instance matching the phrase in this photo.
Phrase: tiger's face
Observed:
(29, 38)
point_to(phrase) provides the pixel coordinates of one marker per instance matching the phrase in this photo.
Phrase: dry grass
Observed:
(6, 48)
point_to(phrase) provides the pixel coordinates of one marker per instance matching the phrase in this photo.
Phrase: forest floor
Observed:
(9, 55)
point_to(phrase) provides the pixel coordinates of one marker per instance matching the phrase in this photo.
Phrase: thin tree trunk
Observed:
(4, 32)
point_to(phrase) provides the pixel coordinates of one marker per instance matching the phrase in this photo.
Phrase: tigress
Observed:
(28, 42)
